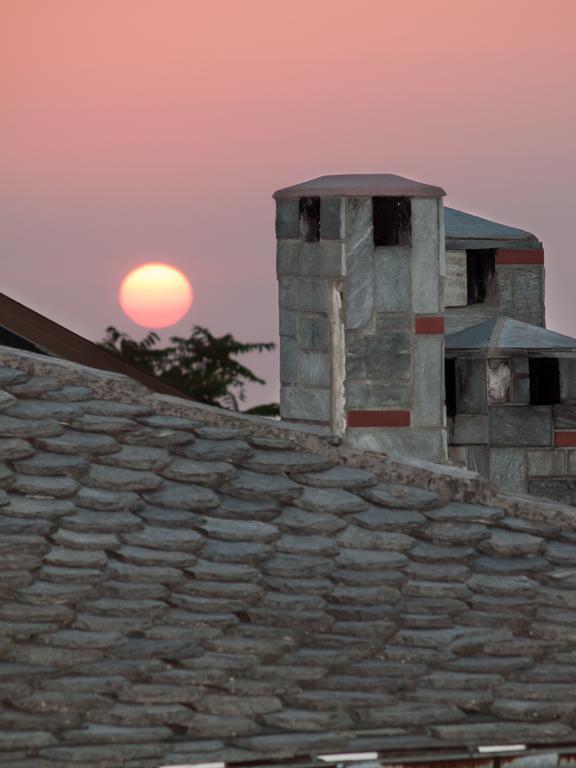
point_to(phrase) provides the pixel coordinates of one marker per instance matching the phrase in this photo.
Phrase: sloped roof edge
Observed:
(55, 339)
(360, 185)
(461, 226)
(507, 334)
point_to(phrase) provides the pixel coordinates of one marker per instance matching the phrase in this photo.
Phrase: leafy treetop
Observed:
(201, 366)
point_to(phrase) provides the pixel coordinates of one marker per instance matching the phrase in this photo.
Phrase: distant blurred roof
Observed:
(504, 333)
(361, 185)
(464, 231)
(23, 328)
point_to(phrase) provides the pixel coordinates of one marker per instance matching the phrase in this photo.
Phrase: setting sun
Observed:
(155, 295)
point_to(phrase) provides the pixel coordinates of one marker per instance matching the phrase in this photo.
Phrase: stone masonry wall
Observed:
(308, 275)
(360, 326)
(518, 290)
(523, 448)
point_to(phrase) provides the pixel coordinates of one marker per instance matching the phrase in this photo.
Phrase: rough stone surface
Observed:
(359, 263)
(468, 429)
(520, 425)
(392, 274)
(176, 589)
(508, 469)
(471, 386)
(305, 403)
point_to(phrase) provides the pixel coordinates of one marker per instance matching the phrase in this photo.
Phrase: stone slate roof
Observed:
(464, 230)
(180, 585)
(360, 185)
(503, 334)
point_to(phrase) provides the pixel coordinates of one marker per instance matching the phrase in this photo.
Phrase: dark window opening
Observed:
(480, 273)
(450, 386)
(391, 219)
(310, 219)
(544, 380)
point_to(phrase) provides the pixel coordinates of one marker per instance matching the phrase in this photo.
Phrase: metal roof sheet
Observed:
(505, 333)
(465, 230)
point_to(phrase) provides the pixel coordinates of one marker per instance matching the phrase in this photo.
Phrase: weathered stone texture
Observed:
(567, 379)
(307, 404)
(428, 381)
(287, 219)
(521, 425)
(547, 463)
(331, 218)
(359, 263)
(232, 596)
(426, 255)
(426, 444)
(560, 489)
(508, 469)
(307, 259)
(521, 292)
(392, 275)
(471, 386)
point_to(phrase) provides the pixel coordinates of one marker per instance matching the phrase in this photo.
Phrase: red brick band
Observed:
(429, 325)
(565, 439)
(378, 418)
(519, 256)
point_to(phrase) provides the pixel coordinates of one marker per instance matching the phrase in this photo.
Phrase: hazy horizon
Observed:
(147, 130)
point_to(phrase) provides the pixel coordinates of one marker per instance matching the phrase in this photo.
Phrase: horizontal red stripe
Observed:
(564, 439)
(378, 418)
(519, 256)
(434, 324)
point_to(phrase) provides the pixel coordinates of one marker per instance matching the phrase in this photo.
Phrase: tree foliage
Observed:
(202, 366)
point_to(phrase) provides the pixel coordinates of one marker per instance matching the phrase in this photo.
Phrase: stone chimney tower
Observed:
(360, 263)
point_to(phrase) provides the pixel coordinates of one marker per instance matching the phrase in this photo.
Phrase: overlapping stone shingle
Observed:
(178, 589)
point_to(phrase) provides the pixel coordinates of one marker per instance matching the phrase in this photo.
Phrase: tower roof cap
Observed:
(360, 185)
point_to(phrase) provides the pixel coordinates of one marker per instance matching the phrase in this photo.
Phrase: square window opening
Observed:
(450, 386)
(544, 381)
(392, 221)
(310, 219)
(480, 275)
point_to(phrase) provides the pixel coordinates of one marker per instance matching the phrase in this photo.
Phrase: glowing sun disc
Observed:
(155, 295)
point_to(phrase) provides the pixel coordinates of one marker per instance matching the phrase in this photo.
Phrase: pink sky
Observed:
(145, 130)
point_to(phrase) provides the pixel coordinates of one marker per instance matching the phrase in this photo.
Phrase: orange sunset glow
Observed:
(155, 295)
(145, 128)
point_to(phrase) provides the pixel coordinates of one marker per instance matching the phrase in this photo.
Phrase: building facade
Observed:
(373, 272)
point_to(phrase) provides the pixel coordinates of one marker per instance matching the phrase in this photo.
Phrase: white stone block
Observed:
(426, 248)
(403, 442)
(551, 463)
(428, 381)
(508, 469)
(359, 290)
(302, 404)
(392, 271)
(456, 285)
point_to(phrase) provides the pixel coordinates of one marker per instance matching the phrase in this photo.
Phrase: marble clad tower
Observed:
(360, 263)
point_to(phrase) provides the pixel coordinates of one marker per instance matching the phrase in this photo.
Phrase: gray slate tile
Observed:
(331, 500)
(13, 448)
(44, 464)
(278, 462)
(74, 442)
(107, 501)
(210, 473)
(138, 457)
(346, 478)
(10, 426)
(254, 486)
(401, 497)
